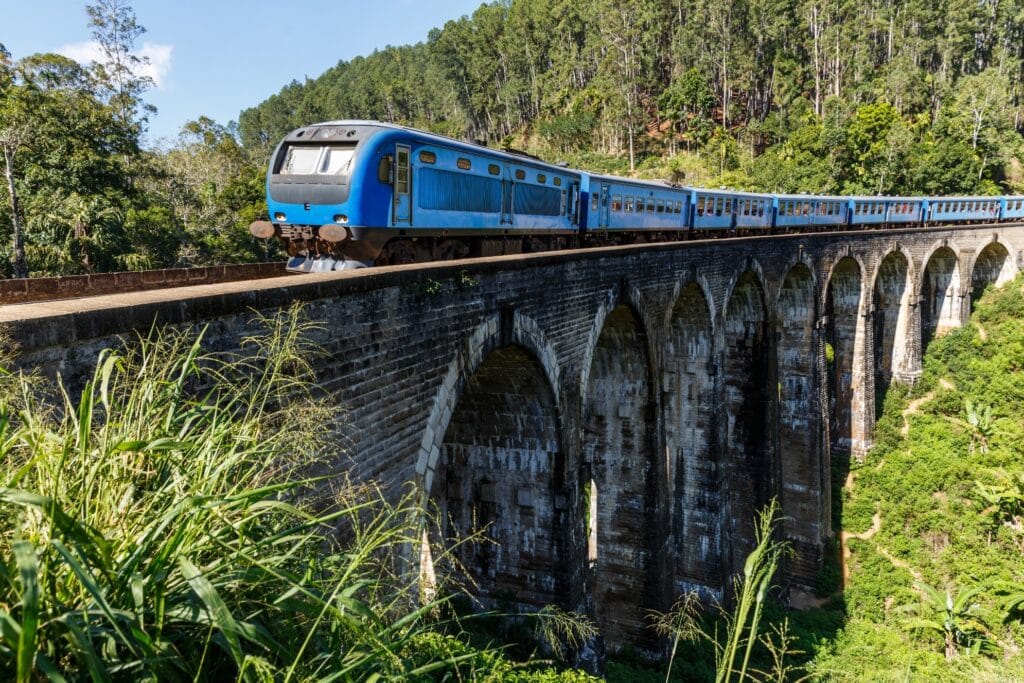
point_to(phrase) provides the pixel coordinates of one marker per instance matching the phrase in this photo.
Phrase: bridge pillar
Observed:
(802, 463)
(620, 481)
(688, 387)
(749, 476)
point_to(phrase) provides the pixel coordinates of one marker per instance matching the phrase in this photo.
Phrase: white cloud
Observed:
(159, 57)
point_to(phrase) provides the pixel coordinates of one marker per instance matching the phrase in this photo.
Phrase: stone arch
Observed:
(688, 391)
(500, 470)
(747, 374)
(620, 477)
(802, 469)
(485, 337)
(751, 268)
(845, 363)
(894, 342)
(992, 266)
(941, 294)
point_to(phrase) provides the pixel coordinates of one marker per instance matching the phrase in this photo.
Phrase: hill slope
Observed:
(937, 488)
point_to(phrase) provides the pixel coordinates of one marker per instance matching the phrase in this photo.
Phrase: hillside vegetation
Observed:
(936, 592)
(818, 96)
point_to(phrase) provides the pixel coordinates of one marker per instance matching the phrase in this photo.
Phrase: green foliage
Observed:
(953, 619)
(946, 494)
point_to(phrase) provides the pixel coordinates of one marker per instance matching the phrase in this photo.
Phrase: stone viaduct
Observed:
(611, 418)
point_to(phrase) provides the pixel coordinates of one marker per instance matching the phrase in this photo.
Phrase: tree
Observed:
(14, 135)
(689, 103)
(115, 29)
(954, 618)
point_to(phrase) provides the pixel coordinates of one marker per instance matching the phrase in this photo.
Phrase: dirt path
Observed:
(844, 544)
(916, 404)
(912, 408)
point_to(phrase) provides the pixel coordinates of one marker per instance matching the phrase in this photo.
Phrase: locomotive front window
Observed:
(326, 160)
(301, 161)
(336, 160)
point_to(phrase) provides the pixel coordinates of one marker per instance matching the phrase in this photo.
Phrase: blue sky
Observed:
(217, 57)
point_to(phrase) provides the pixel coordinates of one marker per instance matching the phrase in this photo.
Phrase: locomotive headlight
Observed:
(341, 218)
(279, 217)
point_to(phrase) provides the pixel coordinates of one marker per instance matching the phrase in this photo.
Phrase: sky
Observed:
(215, 57)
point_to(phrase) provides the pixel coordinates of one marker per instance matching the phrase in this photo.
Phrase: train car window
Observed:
(520, 174)
(650, 205)
(494, 169)
(428, 157)
(661, 206)
(639, 204)
(700, 206)
(593, 202)
(541, 178)
(558, 182)
(617, 203)
(629, 204)
(464, 163)
(728, 207)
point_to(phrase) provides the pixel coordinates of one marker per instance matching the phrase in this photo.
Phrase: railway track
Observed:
(37, 289)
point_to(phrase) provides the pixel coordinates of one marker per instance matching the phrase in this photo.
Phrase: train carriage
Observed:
(1012, 208)
(801, 210)
(965, 209)
(621, 205)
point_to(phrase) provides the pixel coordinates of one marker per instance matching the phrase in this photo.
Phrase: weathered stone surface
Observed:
(612, 418)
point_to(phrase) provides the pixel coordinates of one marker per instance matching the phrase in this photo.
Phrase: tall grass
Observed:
(159, 527)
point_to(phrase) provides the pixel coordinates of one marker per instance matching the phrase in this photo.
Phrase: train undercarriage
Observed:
(331, 247)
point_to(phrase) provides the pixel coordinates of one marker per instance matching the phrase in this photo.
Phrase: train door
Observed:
(403, 186)
(604, 207)
(506, 199)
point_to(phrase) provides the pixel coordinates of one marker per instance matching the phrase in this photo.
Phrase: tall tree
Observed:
(115, 29)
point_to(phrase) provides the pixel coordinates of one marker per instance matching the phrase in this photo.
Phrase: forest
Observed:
(820, 96)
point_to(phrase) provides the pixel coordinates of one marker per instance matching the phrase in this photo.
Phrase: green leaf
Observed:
(218, 611)
(28, 572)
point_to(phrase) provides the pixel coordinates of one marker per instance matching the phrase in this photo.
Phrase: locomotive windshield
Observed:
(323, 160)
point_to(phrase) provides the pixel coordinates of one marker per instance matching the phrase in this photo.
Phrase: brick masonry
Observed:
(610, 418)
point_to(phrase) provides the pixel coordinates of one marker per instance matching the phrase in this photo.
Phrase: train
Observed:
(353, 194)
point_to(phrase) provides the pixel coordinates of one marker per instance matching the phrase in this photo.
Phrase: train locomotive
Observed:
(353, 194)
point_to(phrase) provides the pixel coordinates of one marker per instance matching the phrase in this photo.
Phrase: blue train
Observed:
(351, 194)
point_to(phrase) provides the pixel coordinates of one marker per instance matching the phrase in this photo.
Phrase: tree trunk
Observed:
(20, 267)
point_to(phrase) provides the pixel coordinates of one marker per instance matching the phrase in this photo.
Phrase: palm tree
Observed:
(954, 618)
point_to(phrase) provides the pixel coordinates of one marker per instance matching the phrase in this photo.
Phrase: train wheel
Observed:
(397, 252)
